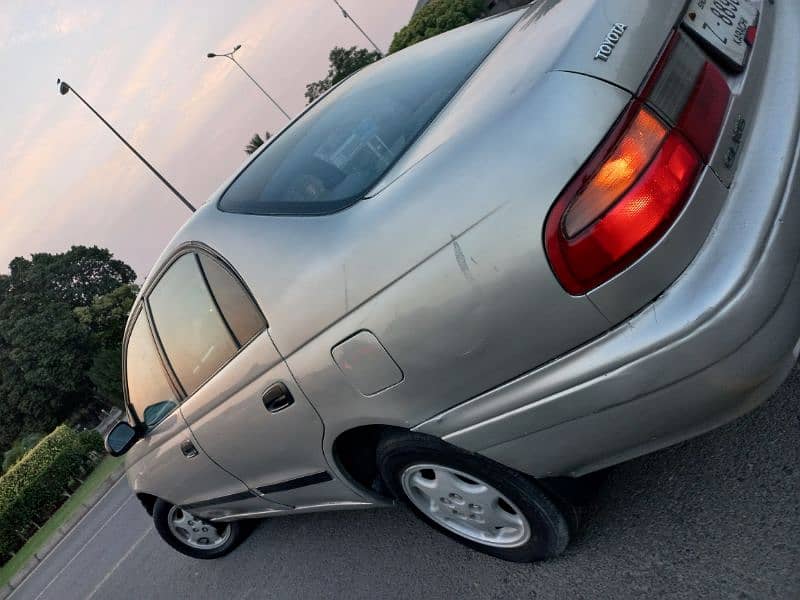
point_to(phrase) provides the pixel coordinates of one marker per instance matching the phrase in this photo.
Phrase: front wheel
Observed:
(480, 503)
(193, 536)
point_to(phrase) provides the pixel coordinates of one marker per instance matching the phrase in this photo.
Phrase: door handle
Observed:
(277, 397)
(188, 449)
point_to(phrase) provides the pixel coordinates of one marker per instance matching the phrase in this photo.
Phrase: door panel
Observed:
(158, 466)
(230, 418)
(241, 402)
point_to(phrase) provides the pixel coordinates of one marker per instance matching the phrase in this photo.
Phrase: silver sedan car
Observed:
(514, 254)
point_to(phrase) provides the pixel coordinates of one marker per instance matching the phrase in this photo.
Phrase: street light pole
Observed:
(64, 88)
(346, 15)
(258, 85)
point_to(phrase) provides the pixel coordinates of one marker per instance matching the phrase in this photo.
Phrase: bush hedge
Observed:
(437, 17)
(35, 486)
(18, 450)
(91, 441)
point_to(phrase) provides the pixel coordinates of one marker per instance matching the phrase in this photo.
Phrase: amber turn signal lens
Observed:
(627, 162)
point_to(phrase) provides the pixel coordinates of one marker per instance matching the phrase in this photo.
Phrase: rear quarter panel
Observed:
(445, 262)
(445, 266)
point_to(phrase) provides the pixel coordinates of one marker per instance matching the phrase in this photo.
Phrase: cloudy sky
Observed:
(64, 178)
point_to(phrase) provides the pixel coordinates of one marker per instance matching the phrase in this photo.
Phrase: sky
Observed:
(66, 180)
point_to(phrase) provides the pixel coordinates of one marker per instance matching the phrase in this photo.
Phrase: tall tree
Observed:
(44, 364)
(74, 277)
(437, 17)
(105, 319)
(343, 63)
(256, 142)
(45, 351)
(18, 450)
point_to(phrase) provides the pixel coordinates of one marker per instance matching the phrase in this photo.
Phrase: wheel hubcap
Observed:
(465, 505)
(196, 532)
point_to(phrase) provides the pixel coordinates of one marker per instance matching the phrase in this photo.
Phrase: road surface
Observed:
(715, 517)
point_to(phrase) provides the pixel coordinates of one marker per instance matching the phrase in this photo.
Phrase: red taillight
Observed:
(627, 196)
(702, 117)
(625, 224)
(750, 36)
(689, 92)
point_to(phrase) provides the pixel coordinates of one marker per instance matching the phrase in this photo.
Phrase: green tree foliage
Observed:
(256, 142)
(106, 375)
(343, 63)
(107, 314)
(437, 17)
(74, 277)
(18, 450)
(44, 365)
(91, 441)
(46, 352)
(105, 320)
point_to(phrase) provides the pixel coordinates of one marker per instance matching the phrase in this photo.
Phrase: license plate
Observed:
(721, 26)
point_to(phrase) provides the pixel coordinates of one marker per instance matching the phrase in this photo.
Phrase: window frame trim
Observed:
(131, 411)
(229, 269)
(214, 300)
(143, 304)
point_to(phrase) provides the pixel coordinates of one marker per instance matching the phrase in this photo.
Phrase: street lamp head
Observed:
(211, 55)
(236, 47)
(63, 87)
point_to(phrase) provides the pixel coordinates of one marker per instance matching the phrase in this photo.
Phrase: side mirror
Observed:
(121, 438)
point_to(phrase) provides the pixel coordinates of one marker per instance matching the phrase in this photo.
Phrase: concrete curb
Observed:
(60, 533)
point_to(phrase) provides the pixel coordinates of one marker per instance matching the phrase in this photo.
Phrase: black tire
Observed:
(161, 510)
(549, 528)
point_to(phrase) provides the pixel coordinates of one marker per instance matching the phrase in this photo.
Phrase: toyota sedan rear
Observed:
(521, 251)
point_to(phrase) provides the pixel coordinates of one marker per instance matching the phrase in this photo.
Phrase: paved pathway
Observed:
(716, 517)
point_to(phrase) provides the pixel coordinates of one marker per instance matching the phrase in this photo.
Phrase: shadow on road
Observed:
(717, 516)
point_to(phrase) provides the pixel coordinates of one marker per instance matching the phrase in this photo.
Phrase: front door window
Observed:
(150, 395)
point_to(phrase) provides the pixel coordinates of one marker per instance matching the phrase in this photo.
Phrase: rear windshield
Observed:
(338, 150)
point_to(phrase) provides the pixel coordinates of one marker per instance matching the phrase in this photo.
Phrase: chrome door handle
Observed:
(188, 449)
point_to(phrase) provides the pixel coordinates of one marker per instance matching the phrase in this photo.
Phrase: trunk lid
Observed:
(550, 36)
(617, 40)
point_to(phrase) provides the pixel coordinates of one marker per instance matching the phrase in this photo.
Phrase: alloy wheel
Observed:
(196, 532)
(465, 505)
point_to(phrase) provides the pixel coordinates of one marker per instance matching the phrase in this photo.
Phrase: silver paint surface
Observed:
(365, 364)
(443, 262)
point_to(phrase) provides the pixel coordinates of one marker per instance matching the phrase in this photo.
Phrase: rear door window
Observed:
(194, 335)
(236, 305)
(202, 315)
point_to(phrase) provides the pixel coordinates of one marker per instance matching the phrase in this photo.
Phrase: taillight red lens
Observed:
(689, 92)
(628, 223)
(632, 190)
(702, 117)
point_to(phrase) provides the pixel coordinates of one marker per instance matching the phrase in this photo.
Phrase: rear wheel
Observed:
(480, 503)
(193, 536)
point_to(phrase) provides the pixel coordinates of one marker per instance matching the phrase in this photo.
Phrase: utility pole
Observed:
(64, 88)
(347, 16)
(258, 85)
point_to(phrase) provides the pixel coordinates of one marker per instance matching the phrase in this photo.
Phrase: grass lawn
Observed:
(92, 482)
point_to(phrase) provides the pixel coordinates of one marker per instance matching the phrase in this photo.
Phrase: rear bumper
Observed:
(717, 343)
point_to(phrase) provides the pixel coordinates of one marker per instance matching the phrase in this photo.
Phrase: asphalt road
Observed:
(716, 517)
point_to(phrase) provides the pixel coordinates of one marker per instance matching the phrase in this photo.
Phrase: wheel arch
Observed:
(354, 452)
(148, 501)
